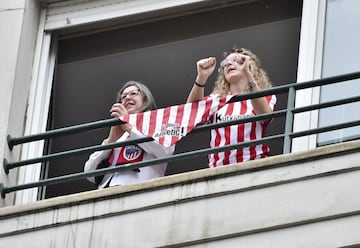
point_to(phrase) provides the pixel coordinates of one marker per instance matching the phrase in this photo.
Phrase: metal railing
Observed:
(288, 134)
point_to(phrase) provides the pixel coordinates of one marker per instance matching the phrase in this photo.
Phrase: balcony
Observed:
(300, 199)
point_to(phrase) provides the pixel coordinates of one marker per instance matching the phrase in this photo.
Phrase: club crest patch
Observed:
(132, 152)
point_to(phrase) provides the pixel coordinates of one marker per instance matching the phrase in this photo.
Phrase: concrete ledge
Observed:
(285, 193)
(188, 177)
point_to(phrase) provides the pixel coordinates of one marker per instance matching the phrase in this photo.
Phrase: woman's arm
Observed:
(205, 68)
(260, 105)
(94, 160)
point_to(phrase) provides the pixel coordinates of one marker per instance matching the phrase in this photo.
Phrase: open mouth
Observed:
(230, 69)
(129, 105)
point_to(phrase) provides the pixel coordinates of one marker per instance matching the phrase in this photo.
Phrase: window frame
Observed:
(309, 68)
(54, 21)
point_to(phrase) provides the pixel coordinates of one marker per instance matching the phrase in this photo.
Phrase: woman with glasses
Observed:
(133, 97)
(239, 73)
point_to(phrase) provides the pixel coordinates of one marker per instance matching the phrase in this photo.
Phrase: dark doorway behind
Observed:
(163, 54)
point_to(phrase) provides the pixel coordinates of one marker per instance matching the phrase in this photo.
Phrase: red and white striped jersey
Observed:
(238, 133)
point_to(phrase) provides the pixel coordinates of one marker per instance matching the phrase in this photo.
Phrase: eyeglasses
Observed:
(236, 58)
(131, 94)
(228, 61)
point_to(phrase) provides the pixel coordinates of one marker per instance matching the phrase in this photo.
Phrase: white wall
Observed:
(18, 29)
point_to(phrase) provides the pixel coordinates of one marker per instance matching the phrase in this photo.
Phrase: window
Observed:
(341, 55)
(162, 53)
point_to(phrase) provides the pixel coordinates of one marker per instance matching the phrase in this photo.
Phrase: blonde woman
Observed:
(239, 73)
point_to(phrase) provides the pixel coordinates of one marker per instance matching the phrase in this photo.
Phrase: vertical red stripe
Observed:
(194, 110)
(222, 103)
(209, 103)
(269, 98)
(265, 148)
(164, 121)
(152, 122)
(241, 133)
(227, 129)
(180, 113)
(206, 113)
(125, 118)
(253, 137)
(139, 122)
(216, 144)
(178, 120)
(111, 158)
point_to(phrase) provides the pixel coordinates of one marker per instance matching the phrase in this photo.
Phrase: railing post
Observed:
(289, 120)
(9, 142)
(2, 190)
(5, 166)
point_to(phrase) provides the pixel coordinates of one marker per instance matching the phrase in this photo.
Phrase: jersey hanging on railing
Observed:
(169, 125)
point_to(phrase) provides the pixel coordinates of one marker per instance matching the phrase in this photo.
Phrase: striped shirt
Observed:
(238, 133)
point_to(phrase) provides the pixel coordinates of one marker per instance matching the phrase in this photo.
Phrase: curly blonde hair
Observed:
(222, 86)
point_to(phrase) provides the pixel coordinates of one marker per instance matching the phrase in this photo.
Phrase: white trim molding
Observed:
(309, 68)
(37, 112)
(69, 14)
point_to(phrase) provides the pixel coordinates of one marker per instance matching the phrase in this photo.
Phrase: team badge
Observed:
(132, 152)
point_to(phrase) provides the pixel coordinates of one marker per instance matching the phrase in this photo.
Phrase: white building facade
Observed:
(36, 60)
